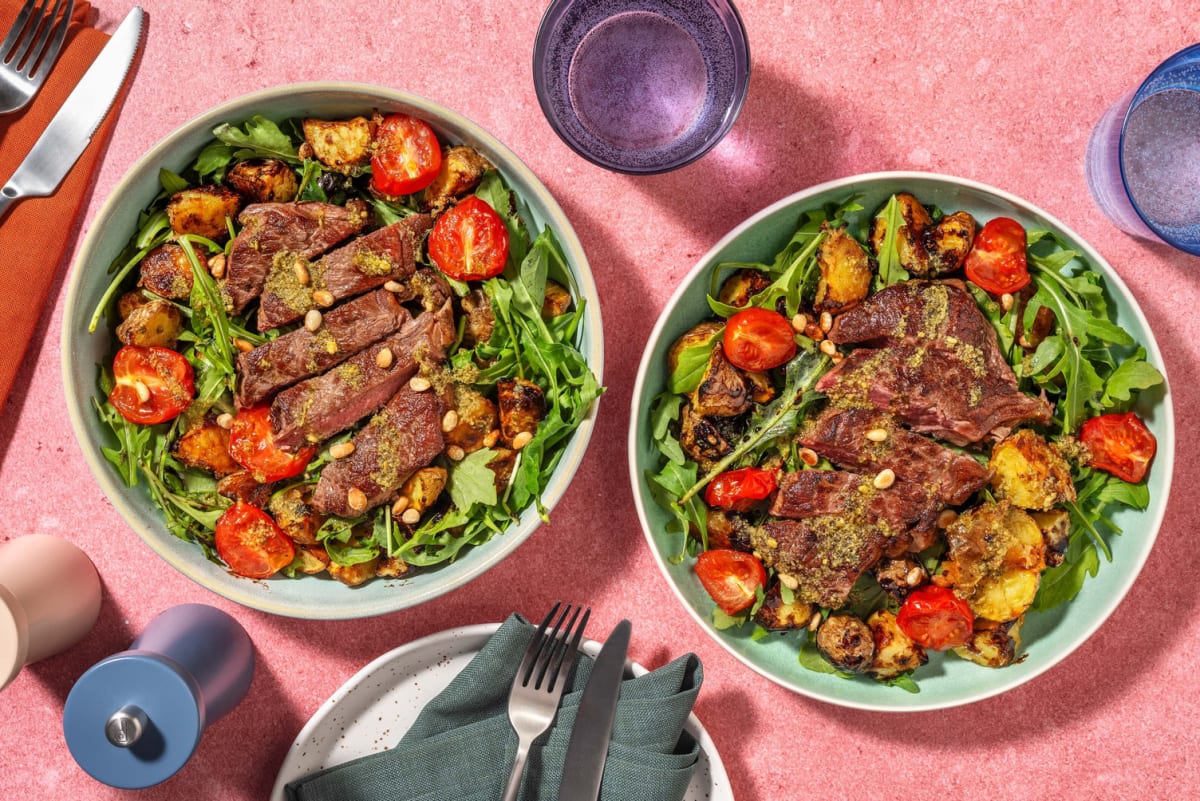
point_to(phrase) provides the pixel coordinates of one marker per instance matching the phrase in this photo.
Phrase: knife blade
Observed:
(583, 766)
(68, 134)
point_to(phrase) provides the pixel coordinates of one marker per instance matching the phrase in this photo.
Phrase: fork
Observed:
(30, 50)
(539, 683)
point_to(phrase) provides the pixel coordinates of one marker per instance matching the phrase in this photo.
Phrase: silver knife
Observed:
(587, 749)
(68, 134)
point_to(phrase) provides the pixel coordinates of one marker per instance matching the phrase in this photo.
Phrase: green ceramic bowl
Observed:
(947, 680)
(317, 597)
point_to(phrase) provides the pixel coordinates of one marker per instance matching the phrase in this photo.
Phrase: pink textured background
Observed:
(1005, 96)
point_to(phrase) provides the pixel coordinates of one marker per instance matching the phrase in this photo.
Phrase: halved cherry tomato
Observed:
(731, 577)
(250, 543)
(997, 262)
(935, 618)
(153, 384)
(469, 242)
(252, 445)
(738, 490)
(407, 156)
(1120, 444)
(758, 339)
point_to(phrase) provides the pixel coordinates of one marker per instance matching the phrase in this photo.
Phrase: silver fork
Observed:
(538, 685)
(30, 50)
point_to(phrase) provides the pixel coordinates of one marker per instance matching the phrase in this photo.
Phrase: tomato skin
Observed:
(469, 242)
(758, 339)
(731, 577)
(407, 156)
(250, 542)
(997, 262)
(739, 490)
(935, 618)
(252, 445)
(1120, 444)
(167, 376)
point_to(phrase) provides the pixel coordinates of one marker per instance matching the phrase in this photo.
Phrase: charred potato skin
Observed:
(697, 336)
(949, 242)
(295, 516)
(744, 284)
(700, 438)
(847, 642)
(424, 487)
(130, 301)
(846, 272)
(776, 615)
(480, 319)
(1030, 473)
(206, 447)
(354, 575)
(391, 567)
(156, 322)
(910, 248)
(556, 302)
(166, 272)
(995, 557)
(994, 647)
(522, 405)
(477, 418)
(311, 559)
(1056, 531)
(263, 181)
(895, 651)
(242, 486)
(462, 169)
(723, 390)
(343, 146)
(203, 211)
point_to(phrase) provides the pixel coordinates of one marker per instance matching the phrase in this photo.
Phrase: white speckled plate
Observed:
(373, 710)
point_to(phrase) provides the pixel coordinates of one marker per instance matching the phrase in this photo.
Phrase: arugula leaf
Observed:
(692, 362)
(471, 481)
(890, 270)
(258, 138)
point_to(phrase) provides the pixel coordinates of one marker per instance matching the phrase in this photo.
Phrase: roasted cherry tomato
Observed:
(997, 262)
(469, 242)
(407, 156)
(252, 445)
(250, 543)
(1120, 444)
(153, 384)
(758, 339)
(935, 618)
(738, 490)
(731, 577)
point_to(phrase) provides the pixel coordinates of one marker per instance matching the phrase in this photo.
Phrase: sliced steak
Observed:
(386, 254)
(319, 407)
(825, 555)
(811, 494)
(343, 332)
(912, 311)
(403, 437)
(274, 230)
(840, 435)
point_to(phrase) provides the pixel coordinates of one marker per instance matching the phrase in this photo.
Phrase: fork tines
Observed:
(547, 658)
(24, 50)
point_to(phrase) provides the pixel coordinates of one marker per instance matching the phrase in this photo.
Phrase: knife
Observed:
(587, 749)
(68, 134)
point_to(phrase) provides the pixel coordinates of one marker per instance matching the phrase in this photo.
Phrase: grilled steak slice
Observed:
(403, 437)
(914, 310)
(386, 254)
(272, 230)
(319, 407)
(825, 555)
(811, 494)
(840, 435)
(344, 331)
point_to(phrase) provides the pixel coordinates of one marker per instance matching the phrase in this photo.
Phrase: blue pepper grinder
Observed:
(135, 718)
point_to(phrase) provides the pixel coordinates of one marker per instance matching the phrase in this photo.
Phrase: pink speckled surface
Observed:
(1006, 96)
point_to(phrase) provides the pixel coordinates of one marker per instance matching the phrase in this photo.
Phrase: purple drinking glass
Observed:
(641, 86)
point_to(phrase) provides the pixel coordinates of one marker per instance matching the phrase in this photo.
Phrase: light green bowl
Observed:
(947, 680)
(315, 597)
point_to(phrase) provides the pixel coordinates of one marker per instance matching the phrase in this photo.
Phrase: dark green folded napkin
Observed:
(461, 746)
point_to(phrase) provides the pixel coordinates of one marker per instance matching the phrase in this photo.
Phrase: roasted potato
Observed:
(502, 465)
(293, 513)
(895, 652)
(845, 272)
(948, 242)
(698, 336)
(130, 301)
(341, 145)
(847, 642)
(993, 647)
(166, 272)
(203, 211)
(264, 181)
(353, 575)
(700, 437)
(522, 406)
(775, 615)
(994, 560)
(723, 390)
(476, 418)
(242, 486)
(480, 320)
(1056, 531)
(155, 322)
(311, 559)
(556, 301)
(898, 576)
(743, 285)
(1030, 473)
(910, 245)
(206, 446)
(391, 567)
(461, 170)
(423, 487)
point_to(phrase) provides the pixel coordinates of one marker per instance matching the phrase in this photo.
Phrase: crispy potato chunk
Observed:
(1031, 474)
(130, 301)
(557, 300)
(264, 181)
(993, 647)
(203, 211)
(206, 446)
(760, 386)
(697, 336)
(341, 145)
(949, 242)
(775, 615)
(700, 438)
(391, 567)
(155, 322)
(480, 319)
(167, 272)
(895, 652)
(845, 272)
(293, 512)
(1056, 531)
(353, 575)
(743, 285)
(502, 465)
(522, 406)
(924, 249)
(723, 391)
(423, 487)
(994, 560)
(242, 486)
(898, 576)
(847, 642)
(476, 418)
(462, 168)
(311, 559)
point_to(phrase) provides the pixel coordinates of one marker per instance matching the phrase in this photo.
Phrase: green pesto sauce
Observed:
(283, 283)
(371, 263)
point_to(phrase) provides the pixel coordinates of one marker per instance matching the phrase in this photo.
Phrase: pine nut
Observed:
(356, 499)
(828, 348)
(399, 506)
(243, 345)
(884, 478)
(913, 577)
(449, 421)
(323, 298)
(789, 581)
(419, 384)
(813, 331)
(1006, 302)
(836, 358)
(143, 392)
(312, 320)
(225, 420)
(492, 438)
(301, 272)
(521, 440)
(394, 286)
(877, 435)
(799, 323)
(946, 518)
(383, 359)
(411, 516)
(216, 266)
(814, 622)
(341, 450)
(808, 456)
(456, 453)
(826, 321)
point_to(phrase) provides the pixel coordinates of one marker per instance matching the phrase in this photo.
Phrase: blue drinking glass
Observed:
(641, 86)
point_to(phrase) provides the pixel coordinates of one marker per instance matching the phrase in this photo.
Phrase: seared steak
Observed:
(912, 311)
(387, 254)
(270, 230)
(824, 555)
(319, 407)
(403, 437)
(810, 494)
(344, 331)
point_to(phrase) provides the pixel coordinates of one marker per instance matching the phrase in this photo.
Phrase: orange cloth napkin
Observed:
(38, 231)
